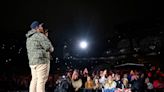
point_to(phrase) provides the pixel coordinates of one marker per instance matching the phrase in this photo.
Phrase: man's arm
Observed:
(45, 42)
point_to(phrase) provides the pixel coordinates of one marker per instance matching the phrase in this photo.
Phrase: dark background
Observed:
(103, 23)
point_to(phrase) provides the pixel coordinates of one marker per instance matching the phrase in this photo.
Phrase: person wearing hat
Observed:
(39, 48)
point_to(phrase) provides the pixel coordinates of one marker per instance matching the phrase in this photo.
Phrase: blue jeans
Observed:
(109, 90)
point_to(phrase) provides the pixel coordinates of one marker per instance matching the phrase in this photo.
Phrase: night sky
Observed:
(78, 17)
(95, 21)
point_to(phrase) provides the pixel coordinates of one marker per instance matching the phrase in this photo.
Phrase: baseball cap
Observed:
(34, 24)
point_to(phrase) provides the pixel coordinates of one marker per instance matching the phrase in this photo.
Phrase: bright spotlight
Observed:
(83, 44)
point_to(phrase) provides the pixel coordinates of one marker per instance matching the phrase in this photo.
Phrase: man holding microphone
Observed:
(39, 48)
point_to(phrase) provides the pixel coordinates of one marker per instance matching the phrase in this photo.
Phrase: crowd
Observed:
(150, 80)
(116, 80)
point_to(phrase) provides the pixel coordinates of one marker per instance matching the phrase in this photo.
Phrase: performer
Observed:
(38, 49)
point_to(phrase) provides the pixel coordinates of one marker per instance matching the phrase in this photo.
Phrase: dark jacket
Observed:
(64, 86)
